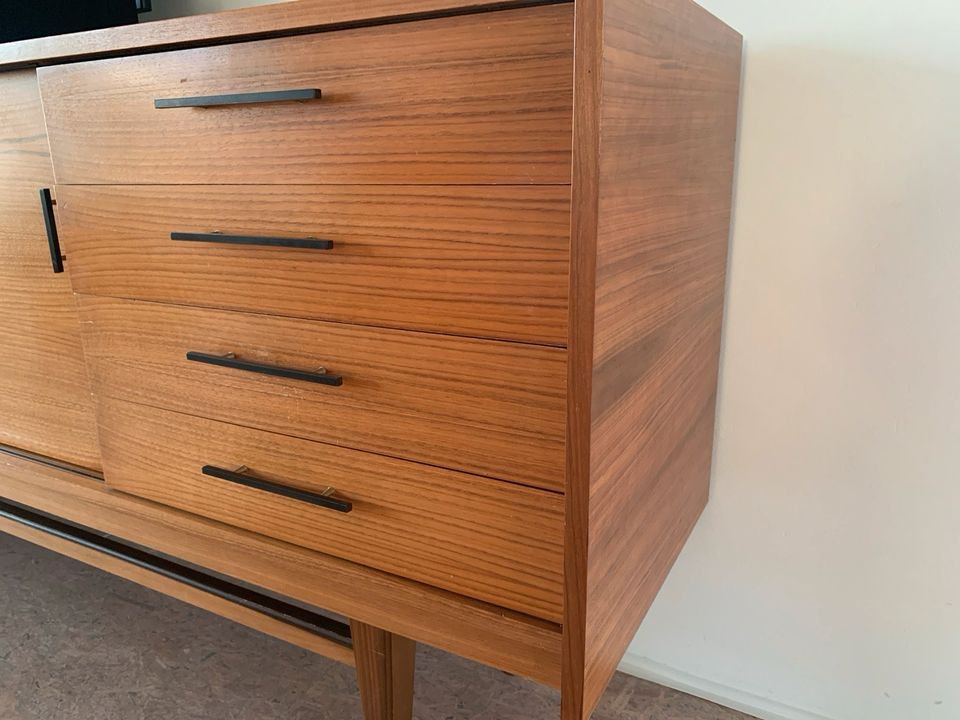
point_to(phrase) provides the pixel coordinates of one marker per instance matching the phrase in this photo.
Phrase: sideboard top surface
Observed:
(253, 23)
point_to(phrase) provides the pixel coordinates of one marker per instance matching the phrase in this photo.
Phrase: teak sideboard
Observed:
(375, 323)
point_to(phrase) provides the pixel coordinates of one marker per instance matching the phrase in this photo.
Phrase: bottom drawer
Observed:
(486, 539)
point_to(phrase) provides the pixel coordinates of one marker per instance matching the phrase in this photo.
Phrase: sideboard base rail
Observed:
(252, 607)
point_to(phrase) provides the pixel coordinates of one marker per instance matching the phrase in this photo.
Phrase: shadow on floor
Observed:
(79, 644)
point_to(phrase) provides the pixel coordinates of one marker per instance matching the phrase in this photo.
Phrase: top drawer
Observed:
(476, 99)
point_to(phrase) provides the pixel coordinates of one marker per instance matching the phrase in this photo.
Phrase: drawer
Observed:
(473, 99)
(481, 406)
(482, 261)
(489, 540)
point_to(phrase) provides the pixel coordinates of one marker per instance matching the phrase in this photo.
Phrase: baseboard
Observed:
(755, 705)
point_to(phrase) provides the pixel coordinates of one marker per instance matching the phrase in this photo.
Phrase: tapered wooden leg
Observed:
(385, 670)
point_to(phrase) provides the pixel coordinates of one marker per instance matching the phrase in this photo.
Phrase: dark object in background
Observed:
(20, 19)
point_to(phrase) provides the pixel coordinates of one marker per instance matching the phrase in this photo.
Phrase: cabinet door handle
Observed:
(321, 376)
(215, 237)
(251, 98)
(53, 237)
(239, 476)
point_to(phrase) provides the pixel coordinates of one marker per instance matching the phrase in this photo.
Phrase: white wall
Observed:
(825, 575)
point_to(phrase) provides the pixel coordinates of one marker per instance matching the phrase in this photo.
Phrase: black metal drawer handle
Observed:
(239, 476)
(252, 98)
(216, 237)
(53, 237)
(320, 376)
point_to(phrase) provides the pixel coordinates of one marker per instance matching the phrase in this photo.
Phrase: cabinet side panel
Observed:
(667, 122)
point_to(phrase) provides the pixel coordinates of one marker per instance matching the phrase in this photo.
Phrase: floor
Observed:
(78, 644)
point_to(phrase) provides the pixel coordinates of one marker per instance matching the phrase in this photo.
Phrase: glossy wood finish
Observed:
(24, 153)
(476, 261)
(612, 406)
(280, 19)
(45, 401)
(480, 406)
(492, 635)
(489, 540)
(656, 117)
(385, 672)
(183, 592)
(475, 99)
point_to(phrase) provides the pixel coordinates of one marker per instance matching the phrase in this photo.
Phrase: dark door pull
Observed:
(239, 476)
(216, 237)
(53, 238)
(230, 361)
(251, 98)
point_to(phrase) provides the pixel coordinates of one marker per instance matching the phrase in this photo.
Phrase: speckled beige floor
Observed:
(78, 644)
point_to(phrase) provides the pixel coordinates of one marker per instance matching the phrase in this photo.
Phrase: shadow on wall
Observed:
(823, 575)
(178, 8)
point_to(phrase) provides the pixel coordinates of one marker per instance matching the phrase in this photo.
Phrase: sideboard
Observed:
(372, 324)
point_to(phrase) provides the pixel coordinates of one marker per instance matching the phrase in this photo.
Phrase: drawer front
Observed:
(480, 406)
(479, 261)
(474, 99)
(489, 540)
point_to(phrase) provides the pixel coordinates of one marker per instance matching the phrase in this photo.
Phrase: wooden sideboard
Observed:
(369, 324)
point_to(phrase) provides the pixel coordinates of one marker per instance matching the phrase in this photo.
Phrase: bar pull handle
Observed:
(217, 237)
(251, 98)
(240, 476)
(320, 376)
(53, 237)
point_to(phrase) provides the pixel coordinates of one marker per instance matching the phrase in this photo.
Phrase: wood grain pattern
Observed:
(624, 428)
(495, 636)
(46, 405)
(386, 666)
(486, 539)
(478, 261)
(475, 99)
(657, 118)
(479, 406)
(587, 82)
(24, 152)
(185, 593)
(242, 24)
